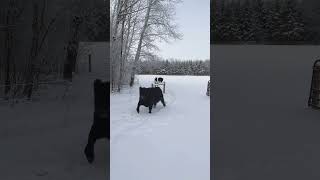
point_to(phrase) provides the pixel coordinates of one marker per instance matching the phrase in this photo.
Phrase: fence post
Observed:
(314, 96)
(208, 88)
(89, 62)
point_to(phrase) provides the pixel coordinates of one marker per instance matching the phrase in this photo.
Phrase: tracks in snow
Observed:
(131, 123)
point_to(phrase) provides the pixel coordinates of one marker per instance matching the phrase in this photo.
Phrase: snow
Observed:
(261, 125)
(171, 143)
(45, 139)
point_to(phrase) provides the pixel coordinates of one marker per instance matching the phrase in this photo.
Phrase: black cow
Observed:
(150, 97)
(101, 117)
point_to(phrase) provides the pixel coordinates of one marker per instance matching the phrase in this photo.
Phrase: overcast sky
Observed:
(193, 18)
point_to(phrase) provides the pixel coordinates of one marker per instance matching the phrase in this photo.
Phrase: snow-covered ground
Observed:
(172, 143)
(262, 128)
(45, 139)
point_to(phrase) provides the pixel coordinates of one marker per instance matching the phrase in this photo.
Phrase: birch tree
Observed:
(137, 26)
(158, 25)
(124, 24)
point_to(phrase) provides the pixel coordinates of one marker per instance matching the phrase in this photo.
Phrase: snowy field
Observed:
(45, 139)
(172, 143)
(262, 128)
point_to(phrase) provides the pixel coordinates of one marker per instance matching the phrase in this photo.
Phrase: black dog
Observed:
(150, 97)
(101, 119)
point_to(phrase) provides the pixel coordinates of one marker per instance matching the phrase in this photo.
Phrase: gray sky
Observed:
(193, 18)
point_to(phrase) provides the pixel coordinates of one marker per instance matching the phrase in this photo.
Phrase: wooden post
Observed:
(208, 88)
(89, 62)
(316, 87)
(314, 96)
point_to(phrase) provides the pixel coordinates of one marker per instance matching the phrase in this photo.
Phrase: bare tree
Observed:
(158, 25)
(40, 29)
(35, 36)
(143, 24)
(124, 22)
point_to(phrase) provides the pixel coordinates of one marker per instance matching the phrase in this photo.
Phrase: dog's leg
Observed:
(150, 108)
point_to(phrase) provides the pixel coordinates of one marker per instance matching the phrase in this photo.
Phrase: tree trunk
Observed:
(137, 56)
(8, 55)
(114, 45)
(130, 38)
(33, 52)
(122, 56)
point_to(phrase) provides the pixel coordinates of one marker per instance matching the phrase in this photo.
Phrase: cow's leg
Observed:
(150, 108)
(89, 150)
(138, 107)
(162, 101)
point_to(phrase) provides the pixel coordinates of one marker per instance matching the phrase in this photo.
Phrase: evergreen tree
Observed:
(273, 21)
(291, 25)
(248, 32)
(235, 25)
(259, 21)
(278, 21)
(175, 67)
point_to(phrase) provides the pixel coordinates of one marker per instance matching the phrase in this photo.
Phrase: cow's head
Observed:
(143, 92)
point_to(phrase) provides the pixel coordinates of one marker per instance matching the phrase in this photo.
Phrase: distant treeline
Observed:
(262, 22)
(175, 67)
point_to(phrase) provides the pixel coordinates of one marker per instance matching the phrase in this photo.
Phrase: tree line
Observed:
(175, 67)
(39, 39)
(259, 21)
